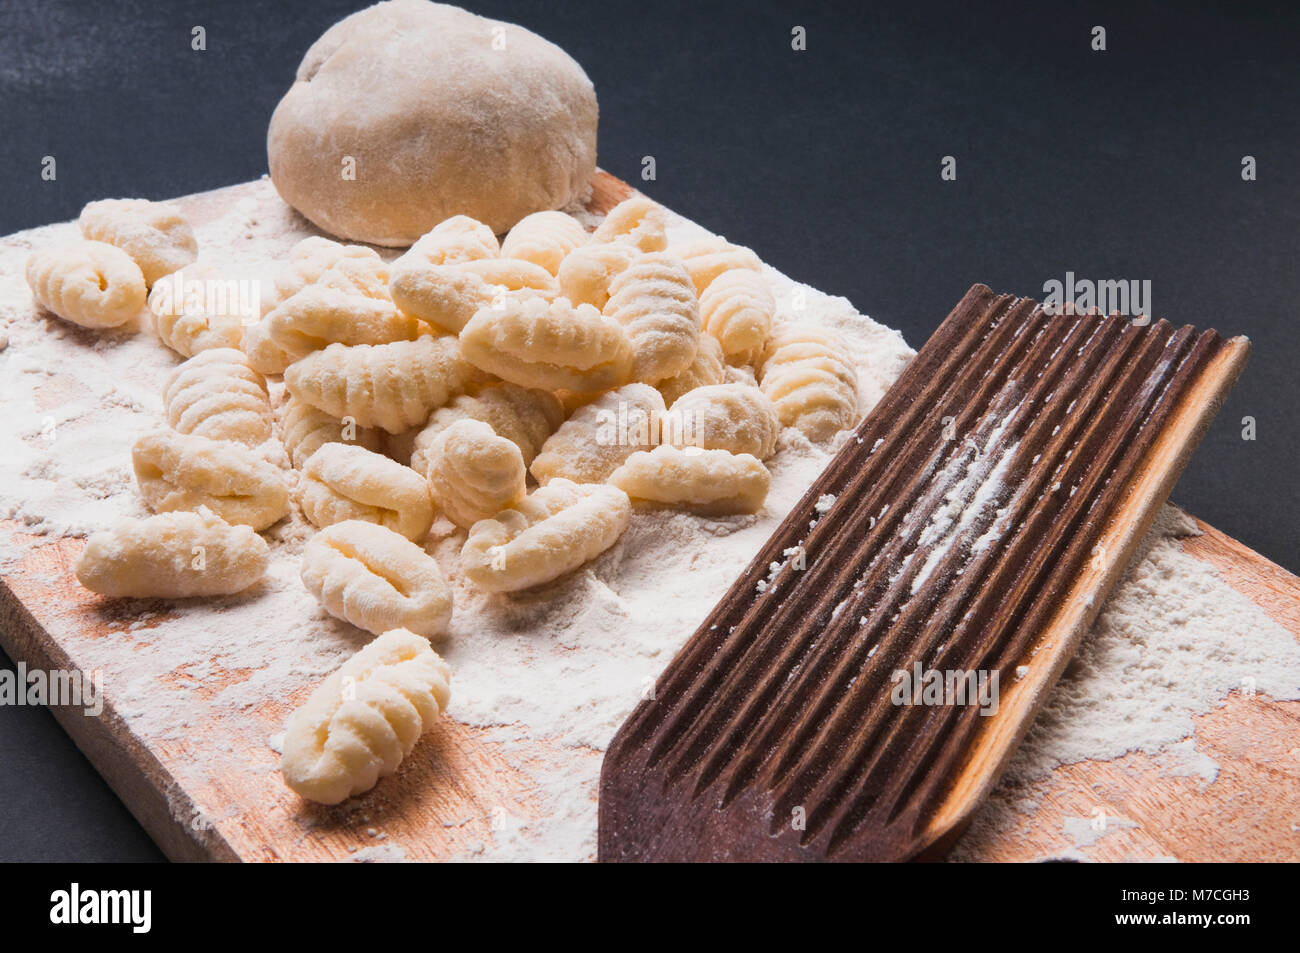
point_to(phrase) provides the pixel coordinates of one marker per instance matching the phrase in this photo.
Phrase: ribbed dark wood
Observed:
(781, 701)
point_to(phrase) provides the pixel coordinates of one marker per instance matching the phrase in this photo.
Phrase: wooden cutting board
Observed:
(450, 800)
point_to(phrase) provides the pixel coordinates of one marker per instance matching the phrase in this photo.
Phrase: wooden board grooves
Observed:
(1058, 559)
(985, 484)
(1031, 591)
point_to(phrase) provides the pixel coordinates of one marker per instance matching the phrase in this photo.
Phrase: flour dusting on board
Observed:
(563, 665)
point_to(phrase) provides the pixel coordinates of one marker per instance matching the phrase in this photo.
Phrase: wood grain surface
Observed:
(451, 794)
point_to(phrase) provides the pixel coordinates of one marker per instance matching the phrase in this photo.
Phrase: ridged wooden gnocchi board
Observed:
(447, 800)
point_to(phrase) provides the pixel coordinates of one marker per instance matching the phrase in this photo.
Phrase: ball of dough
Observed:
(408, 112)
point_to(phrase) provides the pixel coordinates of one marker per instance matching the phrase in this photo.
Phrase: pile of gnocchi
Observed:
(536, 392)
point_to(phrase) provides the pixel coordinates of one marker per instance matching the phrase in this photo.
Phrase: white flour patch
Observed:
(385, 854)
(1183, 760)
(1086, 831)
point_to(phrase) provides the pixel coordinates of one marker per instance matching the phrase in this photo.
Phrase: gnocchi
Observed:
(391, 386)
(556, 529)
(707, 258)
(358, 724)
(183, 472)
(809, 376)
(506, 275)
(655, 303)
(172, 556)
(304, 430)
(155, 235)
(342, 481)
(364, 276)
(448, 296)
(526, 416)
(737, 309)
(706, 369)
(216, 394)
(591, 444)
(551, 345)
(455, 240)
(544, 238)
(375, 579)
(735, 417)
(594, 368)
(189, 323)
(708, 482)
(319, 316)
(92, 284)
(313, 257)
(473, 473)
(636, 221)
(585, 275)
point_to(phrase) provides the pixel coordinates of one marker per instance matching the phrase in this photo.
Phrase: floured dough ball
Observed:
(408, 112)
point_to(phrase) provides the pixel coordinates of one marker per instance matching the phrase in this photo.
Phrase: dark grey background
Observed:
(1122, 164)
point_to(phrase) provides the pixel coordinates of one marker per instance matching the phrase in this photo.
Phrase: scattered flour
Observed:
(1086, 831)
(385, 854)
(1183, 760)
